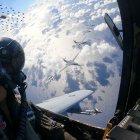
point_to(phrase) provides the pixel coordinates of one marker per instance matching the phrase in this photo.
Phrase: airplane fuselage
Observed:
(90, 112)
(80, 43)
(86, 113)
(71, 62)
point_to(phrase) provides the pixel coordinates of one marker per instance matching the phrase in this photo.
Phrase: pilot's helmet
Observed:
(12, 56)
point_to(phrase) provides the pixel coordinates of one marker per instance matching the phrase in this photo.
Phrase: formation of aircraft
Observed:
(125, 124)
(68, 63)
(79, 45)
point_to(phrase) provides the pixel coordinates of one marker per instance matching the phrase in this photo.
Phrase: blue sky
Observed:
(19, 5)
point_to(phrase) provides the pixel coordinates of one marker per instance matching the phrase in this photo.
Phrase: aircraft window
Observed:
(68, 48)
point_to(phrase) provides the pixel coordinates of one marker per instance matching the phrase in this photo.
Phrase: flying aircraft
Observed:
(68, 63)
(89, 27)
(80, 43)
(50, 79)
(87, 31)
(91, 112)
(125, 123)
(71, 62)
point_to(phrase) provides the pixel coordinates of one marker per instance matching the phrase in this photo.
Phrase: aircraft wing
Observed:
(63, 68)
(76, 56)
(62, 103)
(50, 79)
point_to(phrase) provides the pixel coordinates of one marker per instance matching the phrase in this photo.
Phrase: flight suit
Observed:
(9, 124)
(9, 111)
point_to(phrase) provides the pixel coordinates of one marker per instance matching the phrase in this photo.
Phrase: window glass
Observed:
(68, 47)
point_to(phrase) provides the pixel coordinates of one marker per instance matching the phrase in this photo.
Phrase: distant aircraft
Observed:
(63, 103)
(71, 62)
(87, 31)
(80, 43)
(91, 112)
(90, 27)
(50, 79)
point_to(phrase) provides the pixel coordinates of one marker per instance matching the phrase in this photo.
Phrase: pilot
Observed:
(17, 118)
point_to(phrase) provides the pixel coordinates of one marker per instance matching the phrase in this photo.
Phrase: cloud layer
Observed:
(47, 35)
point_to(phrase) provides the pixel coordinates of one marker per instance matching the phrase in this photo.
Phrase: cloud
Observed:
(72, 84)
(103, 74)
(47, 36)
(107, 59)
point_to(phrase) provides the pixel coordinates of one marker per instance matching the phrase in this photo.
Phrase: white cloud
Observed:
(101, 27)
